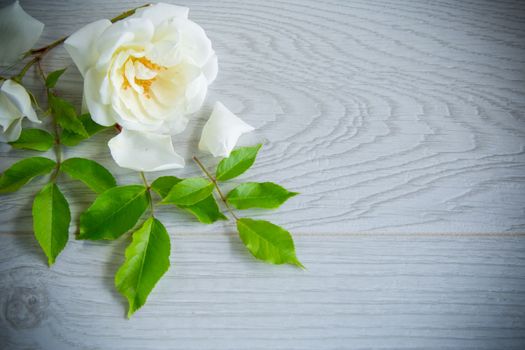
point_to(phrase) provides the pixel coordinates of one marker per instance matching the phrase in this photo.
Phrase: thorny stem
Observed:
(148, 187)
(42, 51)
(28, 65)
(41, 73)
(216, 184)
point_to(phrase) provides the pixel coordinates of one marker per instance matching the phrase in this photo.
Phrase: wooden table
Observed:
(402, 125)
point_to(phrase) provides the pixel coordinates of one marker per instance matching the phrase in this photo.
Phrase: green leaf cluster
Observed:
(204, 208)
(265, 240)
(51, 215)
(71, 138)
(66, 116)
(118, 210)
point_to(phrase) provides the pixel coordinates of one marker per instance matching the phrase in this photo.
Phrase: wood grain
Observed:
(359, 292)
(403, 118)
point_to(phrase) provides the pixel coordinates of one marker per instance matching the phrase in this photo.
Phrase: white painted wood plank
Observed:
(359, 292)
(392, 116)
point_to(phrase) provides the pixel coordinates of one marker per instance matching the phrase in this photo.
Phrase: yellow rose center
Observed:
(144, 83)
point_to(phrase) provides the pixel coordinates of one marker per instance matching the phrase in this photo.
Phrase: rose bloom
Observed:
(15, 105)
(146, 73)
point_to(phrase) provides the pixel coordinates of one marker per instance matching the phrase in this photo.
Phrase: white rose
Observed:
(146, 73)
(15, 104)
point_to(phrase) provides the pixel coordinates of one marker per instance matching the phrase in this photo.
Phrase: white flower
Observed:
(18, 32)
(15, 104)
(221, 131)
(146, 73)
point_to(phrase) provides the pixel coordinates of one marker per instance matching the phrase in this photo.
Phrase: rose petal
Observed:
(160, 12)
(165, 53)
(12, 133)
(195, 44)
(19, 97)
(8, 112)
(18, 32)
(177, 125)
(81, 45)
(100, 112)
(221, 131)
(132, 31)
(144, 151)
(211, 68)
(195, 94)
(131, 113)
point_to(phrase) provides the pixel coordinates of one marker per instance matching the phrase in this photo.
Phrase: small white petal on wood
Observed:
(221, 132)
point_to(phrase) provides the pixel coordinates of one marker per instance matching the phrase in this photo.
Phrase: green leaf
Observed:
(94, 175)
(164, 184)
(189, 191)
(147, 259)
(66, 116)
(206, 211)
(114, 212)
(70, 138)
(267, 242)
(23, 171)
(52, 78)
(267, 195)
(51, 218)
(237, 163)
(35, 139)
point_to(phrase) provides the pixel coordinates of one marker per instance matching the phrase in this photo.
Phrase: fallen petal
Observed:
(221, 131)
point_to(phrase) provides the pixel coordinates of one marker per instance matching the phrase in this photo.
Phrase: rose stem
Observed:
(210, 176)
(148, 187)
(127, 13)
(58, 148)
